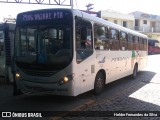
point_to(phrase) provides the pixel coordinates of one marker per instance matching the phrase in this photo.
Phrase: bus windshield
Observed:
(43, 47)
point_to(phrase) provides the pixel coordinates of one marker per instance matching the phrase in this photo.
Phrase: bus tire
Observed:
(135, 71)
(99, 83)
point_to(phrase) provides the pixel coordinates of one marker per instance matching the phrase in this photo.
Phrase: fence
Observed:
(147, 29)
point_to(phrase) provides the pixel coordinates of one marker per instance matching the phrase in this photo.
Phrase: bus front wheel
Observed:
(99, 83)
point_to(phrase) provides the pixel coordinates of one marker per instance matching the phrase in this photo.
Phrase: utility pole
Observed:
(89, 7)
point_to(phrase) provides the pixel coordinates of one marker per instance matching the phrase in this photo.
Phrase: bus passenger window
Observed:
(141, 43)
(113, 34)
(100, 37)
(106, 32)
(123, 40)
(113, 38)
(123, 36)
(83, 35)
(130, 42)
(86, 38)
(83, 39)
(145, 44)
(136, 44)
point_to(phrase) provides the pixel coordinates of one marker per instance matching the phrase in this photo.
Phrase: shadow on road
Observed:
(126, 94)
(116, 97)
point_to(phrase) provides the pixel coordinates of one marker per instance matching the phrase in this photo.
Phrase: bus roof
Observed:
(107, 23)
(94, 19)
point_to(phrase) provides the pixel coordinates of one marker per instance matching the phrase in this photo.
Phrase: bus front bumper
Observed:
(52, 88)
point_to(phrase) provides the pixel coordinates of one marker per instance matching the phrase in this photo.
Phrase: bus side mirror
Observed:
(83, 33)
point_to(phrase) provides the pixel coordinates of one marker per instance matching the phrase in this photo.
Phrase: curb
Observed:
(79, 108)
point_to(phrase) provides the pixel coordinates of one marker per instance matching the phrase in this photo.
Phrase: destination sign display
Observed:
(44, 16)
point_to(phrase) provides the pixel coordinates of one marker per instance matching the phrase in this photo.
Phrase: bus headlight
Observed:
(18, 75)
(66, 79)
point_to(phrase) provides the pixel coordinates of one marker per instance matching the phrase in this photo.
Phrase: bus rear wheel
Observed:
(99, 83)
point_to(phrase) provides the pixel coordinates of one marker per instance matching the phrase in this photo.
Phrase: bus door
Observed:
(2, 56)
(84, 51)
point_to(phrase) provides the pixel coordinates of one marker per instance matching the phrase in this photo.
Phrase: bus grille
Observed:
(39, 73)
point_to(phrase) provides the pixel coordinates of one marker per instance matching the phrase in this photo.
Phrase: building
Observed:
(142, 22)
(146, 22)
(125, 20)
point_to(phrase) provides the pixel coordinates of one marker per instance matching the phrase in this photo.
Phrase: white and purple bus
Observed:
(69, 52)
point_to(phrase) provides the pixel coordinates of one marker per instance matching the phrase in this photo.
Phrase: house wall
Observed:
(119, 17)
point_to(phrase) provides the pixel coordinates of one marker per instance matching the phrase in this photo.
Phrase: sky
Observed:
(122, 6)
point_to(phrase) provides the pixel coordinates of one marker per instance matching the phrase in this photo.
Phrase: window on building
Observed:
(144, 21)
(136, 22)
(153, 24)
(124, 23)
(137, 26)
(115, 21)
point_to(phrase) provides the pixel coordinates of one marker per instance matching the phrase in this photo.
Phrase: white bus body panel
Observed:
(117, 64)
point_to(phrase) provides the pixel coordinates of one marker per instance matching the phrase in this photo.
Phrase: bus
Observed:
(69, 52)
(6, 50)
(153, 46)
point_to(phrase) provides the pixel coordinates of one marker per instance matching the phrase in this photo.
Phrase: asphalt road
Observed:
(140, 94)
